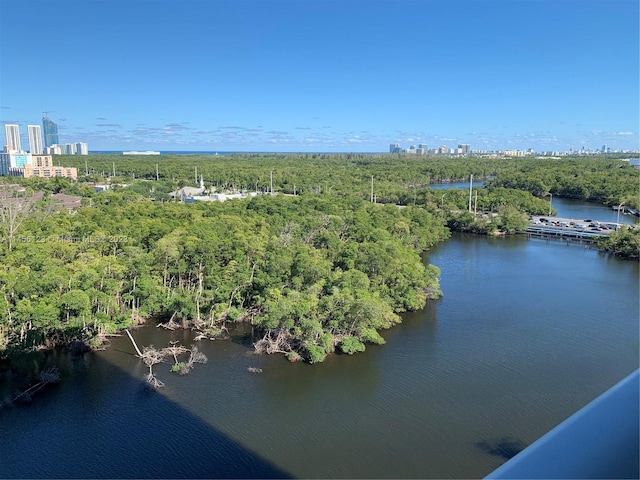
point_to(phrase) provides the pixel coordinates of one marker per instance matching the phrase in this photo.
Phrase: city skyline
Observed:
(326, 76)
(34, 133)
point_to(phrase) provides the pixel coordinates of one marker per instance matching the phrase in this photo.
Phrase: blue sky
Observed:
(323, 75)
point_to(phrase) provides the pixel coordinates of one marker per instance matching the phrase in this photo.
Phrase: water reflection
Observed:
(505, 447)
(101, 422)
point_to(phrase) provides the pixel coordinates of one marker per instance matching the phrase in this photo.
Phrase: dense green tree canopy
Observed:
(322, 270)
(318, 268)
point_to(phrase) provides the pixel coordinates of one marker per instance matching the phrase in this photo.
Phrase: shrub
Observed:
(351, 345)
(316, 353)
(371, 335)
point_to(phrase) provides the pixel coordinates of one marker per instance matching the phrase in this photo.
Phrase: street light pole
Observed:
(550, 203)
(371, 188)
(442, 201)
(618, 219)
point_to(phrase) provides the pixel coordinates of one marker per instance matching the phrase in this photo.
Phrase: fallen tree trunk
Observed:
(46, 377)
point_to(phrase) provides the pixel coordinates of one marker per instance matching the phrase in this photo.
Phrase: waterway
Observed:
(528, 331)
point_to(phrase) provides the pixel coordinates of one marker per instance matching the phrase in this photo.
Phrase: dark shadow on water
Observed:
(101, 422)
(505, 447)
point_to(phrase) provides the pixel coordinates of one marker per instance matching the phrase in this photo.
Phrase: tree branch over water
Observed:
(152, 356)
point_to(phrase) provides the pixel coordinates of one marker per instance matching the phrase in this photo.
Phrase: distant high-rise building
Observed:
(12, 132)
(465, 147)
(4, 164)
(50, 129)
(394, 148)
(53, 150)
(68, 149)
(82, 148)
(35, 139)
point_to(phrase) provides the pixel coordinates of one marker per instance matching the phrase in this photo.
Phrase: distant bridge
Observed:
(569, 228)
(540, 231)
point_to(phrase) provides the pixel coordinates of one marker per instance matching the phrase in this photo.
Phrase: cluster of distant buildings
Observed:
(422, 149)
(38, 161)
(201, 194)
(465, 149)
(48, 133)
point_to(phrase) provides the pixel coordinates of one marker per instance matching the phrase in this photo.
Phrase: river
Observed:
(528, 331)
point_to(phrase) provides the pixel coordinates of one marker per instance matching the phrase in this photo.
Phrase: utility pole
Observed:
(157, 173)
(470, 190)
(371, 188)
(618, 218)
(114, 169)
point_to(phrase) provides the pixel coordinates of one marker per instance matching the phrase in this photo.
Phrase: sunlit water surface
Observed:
(527, 332)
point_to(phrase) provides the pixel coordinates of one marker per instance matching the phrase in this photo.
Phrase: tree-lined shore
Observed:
(315, 273)
(317, 268)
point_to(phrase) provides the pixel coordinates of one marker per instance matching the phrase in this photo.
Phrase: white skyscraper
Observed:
(12, 132)
(68, 149)
(35, 139)
(82, 148)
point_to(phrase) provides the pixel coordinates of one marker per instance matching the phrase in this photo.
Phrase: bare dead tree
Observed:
(171, 324)
(196, 356)
(173, 350)
(324, 223)
(274, 341)
(154, 381)
(13, 211)
(46, 377)
(151, 356)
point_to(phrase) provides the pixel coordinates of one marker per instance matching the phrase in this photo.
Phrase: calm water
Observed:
(584, 210)
(460, 185)
(528, 331)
